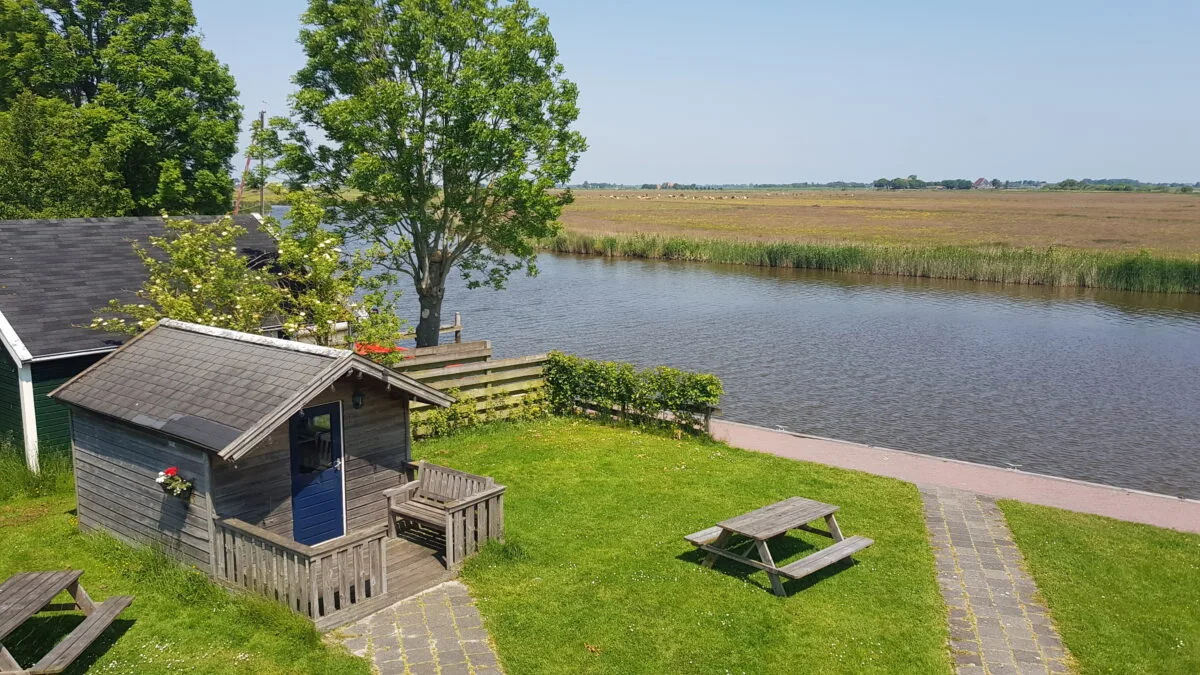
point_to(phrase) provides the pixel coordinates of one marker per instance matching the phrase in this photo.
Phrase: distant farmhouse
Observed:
(982, 184)
(54, 274)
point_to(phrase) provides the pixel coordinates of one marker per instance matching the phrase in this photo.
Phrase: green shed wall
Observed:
(10, 400)
(54, 418)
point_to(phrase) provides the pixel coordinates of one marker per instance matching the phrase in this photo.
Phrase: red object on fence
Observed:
(171, 471)
(363, 348)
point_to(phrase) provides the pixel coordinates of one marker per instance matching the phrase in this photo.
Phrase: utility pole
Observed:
(262, 188)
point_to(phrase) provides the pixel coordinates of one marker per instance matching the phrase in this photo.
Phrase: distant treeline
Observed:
(912, 182)
(1120, 185)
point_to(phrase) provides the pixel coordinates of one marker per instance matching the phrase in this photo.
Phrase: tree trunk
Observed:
(430, 325)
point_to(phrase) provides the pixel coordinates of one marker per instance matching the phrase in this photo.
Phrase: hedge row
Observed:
(573, 382)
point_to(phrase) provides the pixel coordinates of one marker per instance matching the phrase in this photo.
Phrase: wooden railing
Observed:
(456, 328)
(319, 581)
(472, 522)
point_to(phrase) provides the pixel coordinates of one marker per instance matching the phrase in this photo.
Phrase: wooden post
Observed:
(28, 415)
(457, 327)
(764, 554)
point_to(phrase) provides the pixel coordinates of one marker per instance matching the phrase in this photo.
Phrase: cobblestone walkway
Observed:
(437, 632)
(997, 624)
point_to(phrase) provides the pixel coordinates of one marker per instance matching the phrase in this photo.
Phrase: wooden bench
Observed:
(24, 595)
(436, 489)
(467, 507)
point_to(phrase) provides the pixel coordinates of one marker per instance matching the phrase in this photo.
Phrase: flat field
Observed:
(1166, 224)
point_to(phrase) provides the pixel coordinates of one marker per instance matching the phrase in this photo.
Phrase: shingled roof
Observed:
(54, 274)
(219, 389)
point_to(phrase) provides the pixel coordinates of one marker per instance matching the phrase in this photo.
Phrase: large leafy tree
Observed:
(52, 165)
(448, 127)
(158, 103)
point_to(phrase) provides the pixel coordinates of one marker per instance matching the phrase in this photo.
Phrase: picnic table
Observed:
(26, 594)
(751, 531)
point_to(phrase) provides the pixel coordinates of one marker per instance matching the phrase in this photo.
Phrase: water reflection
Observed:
(1094, 385)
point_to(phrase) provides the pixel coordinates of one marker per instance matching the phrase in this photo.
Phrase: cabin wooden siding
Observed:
(10, 401)
(115, 469)
(375, 439)
(53, 417)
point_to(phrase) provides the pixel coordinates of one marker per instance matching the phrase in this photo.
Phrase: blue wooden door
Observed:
(318, 495)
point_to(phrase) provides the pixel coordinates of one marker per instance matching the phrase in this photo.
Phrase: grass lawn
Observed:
(595, 575)
(179, 621)
(1126, 597)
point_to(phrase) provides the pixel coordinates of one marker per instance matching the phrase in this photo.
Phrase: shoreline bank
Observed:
(1126, 504)
(1116, 270)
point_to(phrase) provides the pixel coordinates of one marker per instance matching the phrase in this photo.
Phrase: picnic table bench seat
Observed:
(76, 643)
(825, 557)
(24, 595)
(704, 536)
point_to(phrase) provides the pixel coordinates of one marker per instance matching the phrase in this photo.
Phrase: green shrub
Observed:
(16, 480)
(464, 413)
(642, 394)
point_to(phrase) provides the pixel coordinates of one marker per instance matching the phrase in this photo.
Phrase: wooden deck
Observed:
(415, 563)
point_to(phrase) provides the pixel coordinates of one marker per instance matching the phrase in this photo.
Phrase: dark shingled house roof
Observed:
(54, 274)
(219, 389)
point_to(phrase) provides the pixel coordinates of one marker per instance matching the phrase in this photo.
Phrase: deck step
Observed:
(825, 557)
(704, 536)
(65, 652)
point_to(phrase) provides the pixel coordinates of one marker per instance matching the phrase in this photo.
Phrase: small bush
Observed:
(644, 394)
(463, 413)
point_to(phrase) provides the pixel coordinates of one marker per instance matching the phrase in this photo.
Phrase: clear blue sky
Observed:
(754, 91)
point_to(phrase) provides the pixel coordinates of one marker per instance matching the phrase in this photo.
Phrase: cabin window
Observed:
(314, 443)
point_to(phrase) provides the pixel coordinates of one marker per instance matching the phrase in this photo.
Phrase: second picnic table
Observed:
(770, 521)
(26, 594)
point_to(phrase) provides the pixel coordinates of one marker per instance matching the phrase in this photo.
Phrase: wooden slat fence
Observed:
(319, 582)
(495, 387)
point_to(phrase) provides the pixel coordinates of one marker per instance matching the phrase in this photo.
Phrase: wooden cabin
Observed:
(54, 273)
(288, 451)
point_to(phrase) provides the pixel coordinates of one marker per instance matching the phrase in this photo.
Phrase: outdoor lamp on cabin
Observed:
(357, 398)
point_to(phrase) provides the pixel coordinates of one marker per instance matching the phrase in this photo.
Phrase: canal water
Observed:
(1095, 385)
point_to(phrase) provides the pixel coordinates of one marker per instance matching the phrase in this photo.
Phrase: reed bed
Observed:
(1053, 266)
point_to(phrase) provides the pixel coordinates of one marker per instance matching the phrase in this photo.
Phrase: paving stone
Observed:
(967, 659)
(1026, 656)
(449, 656)
(422, 668)
(419, 655)
(391, 668)
(476, 647)
(439, 631)
(982, 576)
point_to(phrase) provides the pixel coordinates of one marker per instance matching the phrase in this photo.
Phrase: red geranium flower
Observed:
(171, 471)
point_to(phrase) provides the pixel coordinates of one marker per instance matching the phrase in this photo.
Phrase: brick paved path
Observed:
(997, 623)
(438, 631)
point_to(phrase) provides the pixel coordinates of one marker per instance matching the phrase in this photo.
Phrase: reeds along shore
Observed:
(1127, 271)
